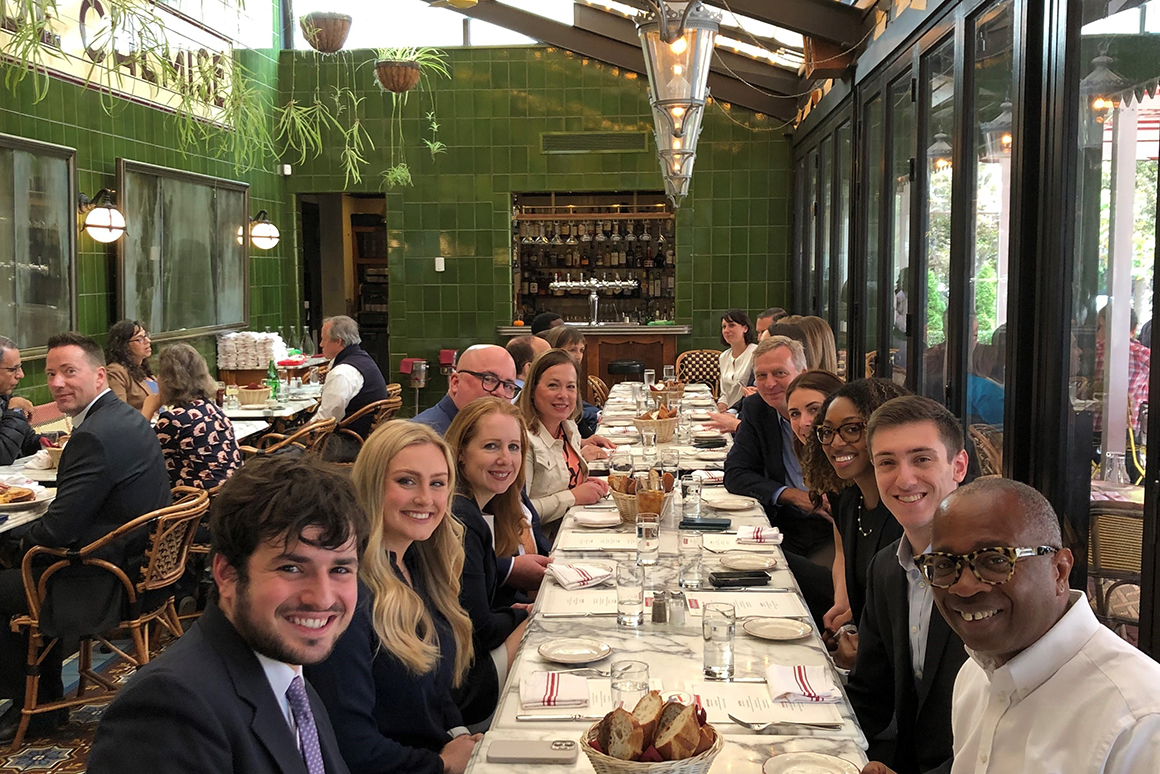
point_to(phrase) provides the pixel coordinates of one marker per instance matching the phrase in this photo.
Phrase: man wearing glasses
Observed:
(482, 370)
(17, 438)
(1047, 688)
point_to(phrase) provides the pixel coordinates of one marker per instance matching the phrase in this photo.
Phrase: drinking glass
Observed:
(691, 496)
(690, 552)
(637, 390)
(1115, 468)
(718, 630)
(620, 467)
(629, 594)
(629, 683)
(232, 400)
(670, 373)
(650, 377)
(648, 538)
(648, 444)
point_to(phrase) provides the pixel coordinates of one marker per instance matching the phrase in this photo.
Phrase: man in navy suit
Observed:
(908, 657)
(229, 696)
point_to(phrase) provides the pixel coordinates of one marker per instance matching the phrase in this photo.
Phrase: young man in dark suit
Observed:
(111, 472)
(229, 696)
(908, 656)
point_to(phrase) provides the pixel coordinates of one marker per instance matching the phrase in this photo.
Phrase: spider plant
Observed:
(30, 44)
(432, 63)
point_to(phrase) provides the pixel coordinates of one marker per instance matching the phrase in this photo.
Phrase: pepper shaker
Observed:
(660, 607)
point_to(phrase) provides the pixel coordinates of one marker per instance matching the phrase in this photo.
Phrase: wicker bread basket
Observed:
(626, 504)
(606, 764)
(251, 397)
(668, 396)
(664, 427)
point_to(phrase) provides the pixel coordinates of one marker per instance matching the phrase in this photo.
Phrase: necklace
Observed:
(863, 532)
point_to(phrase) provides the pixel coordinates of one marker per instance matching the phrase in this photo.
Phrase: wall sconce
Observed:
(264, 235)
(103, 222)
(997, 134)
(939, 153)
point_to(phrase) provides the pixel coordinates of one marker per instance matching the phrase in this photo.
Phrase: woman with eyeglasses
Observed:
(839, 461)
(127, 351)
(557, 470)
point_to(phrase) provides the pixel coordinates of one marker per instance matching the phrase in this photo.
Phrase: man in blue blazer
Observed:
(229, 696)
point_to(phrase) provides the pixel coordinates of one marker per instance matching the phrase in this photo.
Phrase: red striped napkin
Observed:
(578, 576)
(771, 535)
(553, 689)
(801, 684)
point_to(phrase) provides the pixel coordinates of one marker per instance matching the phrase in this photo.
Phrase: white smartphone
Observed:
(520, 751)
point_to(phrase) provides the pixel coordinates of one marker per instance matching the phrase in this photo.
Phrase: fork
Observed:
(759, 727)
(594, 672)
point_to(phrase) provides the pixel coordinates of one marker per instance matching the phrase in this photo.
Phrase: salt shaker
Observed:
(676, 608)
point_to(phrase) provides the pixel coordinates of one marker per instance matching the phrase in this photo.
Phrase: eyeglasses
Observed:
(491, 382)
(140, 337)
(993, 566)
(850, 432)
(16, 369)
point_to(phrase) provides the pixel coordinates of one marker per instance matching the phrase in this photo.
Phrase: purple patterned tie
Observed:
(307, 731)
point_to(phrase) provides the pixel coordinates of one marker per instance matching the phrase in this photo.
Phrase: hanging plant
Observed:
(325, 31)
(398, 70)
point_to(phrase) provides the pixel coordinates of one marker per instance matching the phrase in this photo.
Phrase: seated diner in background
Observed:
(557, 471)
(354, 380)
(488, 439)
(523, 350)
(736, 362)
(127, 351)
(482, 370)
(388, 683)
(17, 438)
(196, 437)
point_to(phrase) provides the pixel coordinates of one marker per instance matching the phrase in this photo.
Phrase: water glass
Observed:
(650, 377)
(629, 594)
(690, 552)
(1115, 469)
(718, 630)
(648, 539)
(691, 496)
(629, 683)
(648, 446)
(670, 373)
(637, 390)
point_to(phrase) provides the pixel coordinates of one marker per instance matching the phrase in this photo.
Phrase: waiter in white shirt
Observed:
(1047, 688)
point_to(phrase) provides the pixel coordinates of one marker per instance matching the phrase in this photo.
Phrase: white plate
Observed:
(602, 520)
(617, 422)
(747, 560)
(711, 456)
(780, 629)
(808, 763)
(727, 502)
(699, 416)
(706, 434)
(574, 650)
(43, 497)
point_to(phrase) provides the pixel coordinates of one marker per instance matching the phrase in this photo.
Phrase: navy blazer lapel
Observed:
(937, 638)
(269, 724)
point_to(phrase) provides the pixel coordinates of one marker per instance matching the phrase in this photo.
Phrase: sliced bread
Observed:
(668, 712)
(621, 735)
(708, 736)
(679, 738)
(648, 714)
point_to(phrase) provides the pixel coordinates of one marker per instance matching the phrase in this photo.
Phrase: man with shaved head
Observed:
(482, 370)
(524, 350)
(1047, 688)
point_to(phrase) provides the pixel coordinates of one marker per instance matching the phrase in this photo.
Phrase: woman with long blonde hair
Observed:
(388, 684)
(488, 438)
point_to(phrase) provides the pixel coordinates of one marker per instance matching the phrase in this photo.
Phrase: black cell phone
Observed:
(738, 578)
(706, 524)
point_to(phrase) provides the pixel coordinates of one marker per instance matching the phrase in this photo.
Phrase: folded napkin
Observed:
(607, 518)
(710, 477)
(16, 479)
(801, 684)
(771, 535)
(553, 689)
(40, 461)
(578, 576)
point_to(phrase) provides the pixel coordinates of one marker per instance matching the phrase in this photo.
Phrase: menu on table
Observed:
(718, 542)
(776, 604)
(561, 601)
(597, 541)
(599, 700)
(751, 701)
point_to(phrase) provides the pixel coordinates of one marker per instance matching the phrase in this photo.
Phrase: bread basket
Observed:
(54, 453)
(252, 397)
(627, 505)
(606, 764)
(669, 396)
(664, 427)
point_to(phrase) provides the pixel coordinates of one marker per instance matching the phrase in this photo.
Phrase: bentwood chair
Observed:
(988, 441)
(1115, 550)
(700, 366)
(147, 599)
(394, 390)
(383, 411)
(311, 437)
(598, 390)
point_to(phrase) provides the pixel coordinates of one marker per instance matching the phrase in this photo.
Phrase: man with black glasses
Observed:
(17, 438)
(482, 370)
(1047, 688)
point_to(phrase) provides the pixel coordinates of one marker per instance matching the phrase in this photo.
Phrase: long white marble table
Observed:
(674, 655)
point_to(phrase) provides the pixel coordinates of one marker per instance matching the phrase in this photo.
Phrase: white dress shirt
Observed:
(280, 675)
(1078, 701)
(342, 383)
(735, 373)
(920, 602)
(76, 421)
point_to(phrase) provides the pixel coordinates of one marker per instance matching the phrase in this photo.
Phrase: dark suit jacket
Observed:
(882, 684)
(17, 438)
(205, 706)
(755, 468)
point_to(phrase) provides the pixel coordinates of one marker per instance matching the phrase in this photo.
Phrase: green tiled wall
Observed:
(73, 116)
(733, 231)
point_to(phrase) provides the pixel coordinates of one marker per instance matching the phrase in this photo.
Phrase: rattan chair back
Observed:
(700, 366)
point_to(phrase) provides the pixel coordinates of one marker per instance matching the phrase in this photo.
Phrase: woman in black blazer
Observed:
(488, 439)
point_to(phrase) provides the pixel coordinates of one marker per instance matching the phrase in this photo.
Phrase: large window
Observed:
(902, 170)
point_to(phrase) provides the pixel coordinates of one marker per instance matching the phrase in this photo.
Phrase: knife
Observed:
(579, 615)
(709, 679)
(558, 718)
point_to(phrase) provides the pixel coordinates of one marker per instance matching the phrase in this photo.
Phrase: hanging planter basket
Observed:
(396, 76)
(325, 31)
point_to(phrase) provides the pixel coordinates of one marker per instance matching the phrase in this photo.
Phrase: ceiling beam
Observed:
(618, 54)
(827, 20)
(761, 74)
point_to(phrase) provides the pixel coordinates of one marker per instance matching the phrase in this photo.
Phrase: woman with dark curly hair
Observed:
(838, 460)
(127, 351)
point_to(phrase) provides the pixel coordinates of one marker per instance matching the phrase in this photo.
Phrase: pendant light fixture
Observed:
(677, 39)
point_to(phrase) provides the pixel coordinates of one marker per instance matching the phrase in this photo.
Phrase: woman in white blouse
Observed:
(737, 360)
